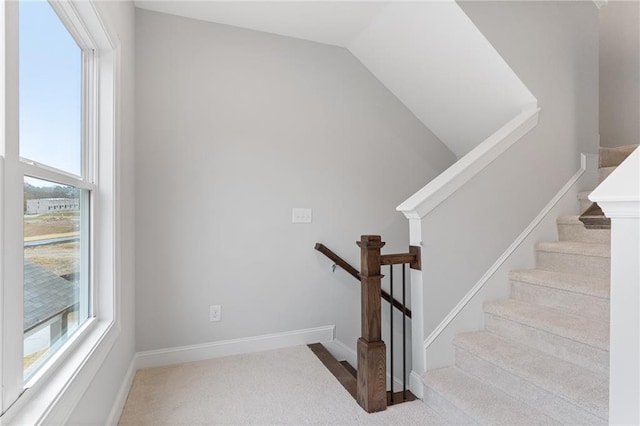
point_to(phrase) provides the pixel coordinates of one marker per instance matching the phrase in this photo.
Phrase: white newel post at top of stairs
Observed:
(619, 198)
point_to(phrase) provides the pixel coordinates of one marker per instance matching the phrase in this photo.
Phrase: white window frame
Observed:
(51, 395)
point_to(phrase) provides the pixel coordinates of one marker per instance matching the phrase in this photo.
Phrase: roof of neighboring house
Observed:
(45, 295)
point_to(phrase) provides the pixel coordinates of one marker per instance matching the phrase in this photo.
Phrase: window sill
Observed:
(51, 397)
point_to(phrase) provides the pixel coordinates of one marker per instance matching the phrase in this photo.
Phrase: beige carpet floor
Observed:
(285, 386)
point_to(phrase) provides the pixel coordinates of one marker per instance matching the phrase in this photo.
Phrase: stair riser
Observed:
(589, 357)
(573, 303)
(551, 404)
(585, 203)
(590, 266)
(447, 410)
(581, 234)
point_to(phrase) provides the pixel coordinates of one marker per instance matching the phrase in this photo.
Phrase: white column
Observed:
(619, 198)
(418, 367)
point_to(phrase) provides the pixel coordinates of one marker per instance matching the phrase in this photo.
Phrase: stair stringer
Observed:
(468, 314)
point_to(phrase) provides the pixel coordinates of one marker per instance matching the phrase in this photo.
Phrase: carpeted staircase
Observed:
(543, 357)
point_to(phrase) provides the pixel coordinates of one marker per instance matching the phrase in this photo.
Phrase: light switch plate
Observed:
(301, 215)
(215, 313)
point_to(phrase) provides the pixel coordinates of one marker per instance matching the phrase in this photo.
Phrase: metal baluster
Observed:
(404, 335)
(391, 327)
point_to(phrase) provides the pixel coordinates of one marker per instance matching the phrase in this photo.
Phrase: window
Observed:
(55, 274)
(51, 77)
(56, 257)
(58, 200)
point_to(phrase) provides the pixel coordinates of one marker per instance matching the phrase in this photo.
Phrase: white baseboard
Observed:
(342, 352)
(416, 385)
(177, 355)
(123, 393)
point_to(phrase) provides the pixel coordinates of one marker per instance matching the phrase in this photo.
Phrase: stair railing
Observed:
(344, 265)
(372, 362)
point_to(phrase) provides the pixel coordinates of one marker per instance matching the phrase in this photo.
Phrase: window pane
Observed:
(50, 89)
(56, 286)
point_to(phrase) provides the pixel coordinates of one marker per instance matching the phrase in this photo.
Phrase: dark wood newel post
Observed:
(372, 364)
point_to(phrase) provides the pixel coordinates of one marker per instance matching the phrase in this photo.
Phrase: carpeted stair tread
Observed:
(580, 295)
(588, 285)
(576, 248)
(580, 329)
(574, 258)
(480, 403)
(570, 228)
(560, 378)
(612, 157)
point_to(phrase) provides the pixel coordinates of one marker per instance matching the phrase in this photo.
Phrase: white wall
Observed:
(428, 54)
(620, 73)
(553, 47)
(95, 406)
(437, 62)
(234, 128)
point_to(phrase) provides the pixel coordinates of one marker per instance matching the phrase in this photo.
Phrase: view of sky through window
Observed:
(50, 89)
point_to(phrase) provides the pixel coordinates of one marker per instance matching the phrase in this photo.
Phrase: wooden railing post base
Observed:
(372, 375)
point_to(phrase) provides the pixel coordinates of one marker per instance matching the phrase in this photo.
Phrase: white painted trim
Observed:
(177, 355)
(52, 398)
(587, 161)
(123, 393)
(416, 385)
(620, 208)
(619, 197)
(53, 401)
(619, 194)
(439, 189)
(418, 355)
(342, 352)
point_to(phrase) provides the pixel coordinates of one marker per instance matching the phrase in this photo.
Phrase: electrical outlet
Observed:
(301, 215)
(215, 313)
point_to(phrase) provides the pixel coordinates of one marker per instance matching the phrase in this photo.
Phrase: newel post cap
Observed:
(370, 241)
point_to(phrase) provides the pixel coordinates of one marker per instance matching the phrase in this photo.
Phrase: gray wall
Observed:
(96, 404)
(553, 48)
(234, 128)
(620, 73)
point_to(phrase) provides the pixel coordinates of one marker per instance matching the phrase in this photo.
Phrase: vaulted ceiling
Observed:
(336, 23)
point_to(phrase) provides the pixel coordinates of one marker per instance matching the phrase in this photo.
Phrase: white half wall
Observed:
(468, 315)
(466, 233)
(234, 129)
(619, 198)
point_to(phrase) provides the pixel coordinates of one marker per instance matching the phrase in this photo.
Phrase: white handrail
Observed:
(439, 189)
